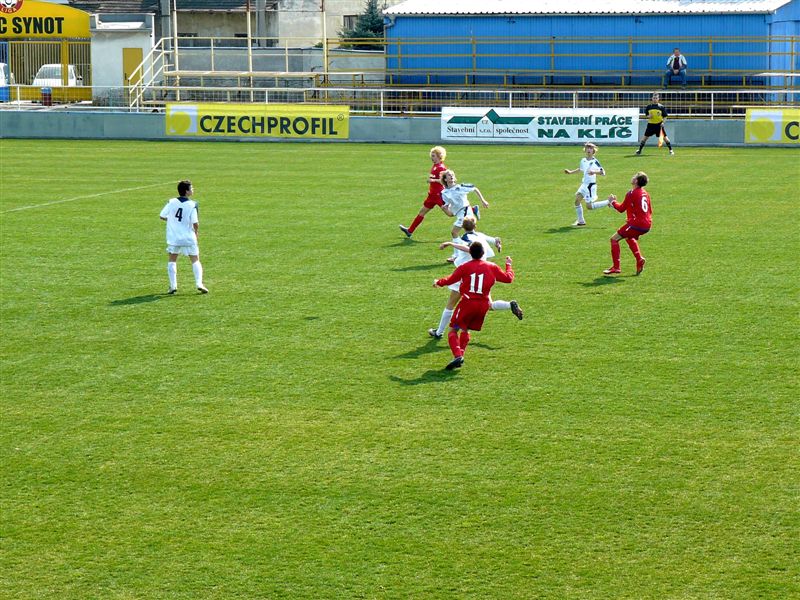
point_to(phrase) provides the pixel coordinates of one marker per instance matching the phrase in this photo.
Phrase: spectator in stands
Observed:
(676, 67)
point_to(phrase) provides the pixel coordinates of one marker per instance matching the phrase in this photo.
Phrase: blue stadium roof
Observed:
(583, 7)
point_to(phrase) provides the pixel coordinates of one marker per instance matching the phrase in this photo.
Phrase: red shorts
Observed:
(631, 232)
(469, 315)
(433, 200)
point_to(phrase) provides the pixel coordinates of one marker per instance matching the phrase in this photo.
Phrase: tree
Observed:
(369, 26)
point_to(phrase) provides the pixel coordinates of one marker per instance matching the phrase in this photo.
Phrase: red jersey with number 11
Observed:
(640, 209)
(477, 278)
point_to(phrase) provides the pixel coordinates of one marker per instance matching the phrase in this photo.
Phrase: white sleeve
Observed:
(194, 218)
(165, 211)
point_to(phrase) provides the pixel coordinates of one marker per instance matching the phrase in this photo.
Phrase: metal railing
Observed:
(713, 104)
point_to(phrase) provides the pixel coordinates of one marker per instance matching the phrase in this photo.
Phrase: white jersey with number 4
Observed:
(181, 214)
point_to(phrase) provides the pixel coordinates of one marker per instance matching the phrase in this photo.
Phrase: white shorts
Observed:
(588, 191)
(454, 286)
(192, 250)
(463, 214)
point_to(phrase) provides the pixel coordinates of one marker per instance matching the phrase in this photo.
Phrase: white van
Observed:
(6, 76)
(50, 76)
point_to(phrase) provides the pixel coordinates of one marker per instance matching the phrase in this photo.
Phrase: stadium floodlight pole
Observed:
(175, 48)
(324, 41)
(249, 45)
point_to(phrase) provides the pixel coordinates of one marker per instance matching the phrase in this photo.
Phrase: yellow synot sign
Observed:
(258, 120)
(30, 19)
(772, 126)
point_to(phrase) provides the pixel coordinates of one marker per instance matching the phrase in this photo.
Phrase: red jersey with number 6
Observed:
(640, 209)
(477, 278)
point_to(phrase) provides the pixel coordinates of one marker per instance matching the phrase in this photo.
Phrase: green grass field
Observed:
(293, 434)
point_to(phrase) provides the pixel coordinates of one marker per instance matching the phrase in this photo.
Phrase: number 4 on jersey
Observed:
(179, 214)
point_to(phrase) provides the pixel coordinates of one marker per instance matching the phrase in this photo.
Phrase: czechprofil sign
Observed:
(258, 120)
(777, 126)
(554, 125)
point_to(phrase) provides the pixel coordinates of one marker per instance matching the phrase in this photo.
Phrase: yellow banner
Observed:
(258, 120)
(772, 126)
(30, 19)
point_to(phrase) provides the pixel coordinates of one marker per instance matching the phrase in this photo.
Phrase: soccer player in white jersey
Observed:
(587, 192)
(182, 228)
(462, 255)
(456, 201)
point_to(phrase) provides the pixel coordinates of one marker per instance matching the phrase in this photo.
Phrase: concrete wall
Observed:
(150, 126)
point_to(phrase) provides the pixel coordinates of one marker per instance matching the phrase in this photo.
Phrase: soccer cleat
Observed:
(434, 334)
(405, 230)
(672, 152)
(477, 212)
(638, 152)
(516, 309)
(172, 291)
(456, 363)
(202, 289)
(640, 265)
(612, 270)
(451, 259)
(579, 224)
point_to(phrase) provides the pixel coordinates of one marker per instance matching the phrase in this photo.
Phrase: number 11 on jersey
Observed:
(473, 279)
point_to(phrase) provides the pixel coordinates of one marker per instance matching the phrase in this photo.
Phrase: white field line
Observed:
(117, 191)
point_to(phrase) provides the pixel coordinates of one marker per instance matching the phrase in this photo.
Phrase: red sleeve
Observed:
(506, 276)
(621, 206)
(452, 278)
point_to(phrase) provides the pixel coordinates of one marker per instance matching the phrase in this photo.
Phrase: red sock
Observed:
(634, 246)
(417, 220)
(452, 339)
(615, 253)
(463, 340)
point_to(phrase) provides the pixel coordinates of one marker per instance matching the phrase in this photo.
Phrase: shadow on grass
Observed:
(432, 346)
(604, 280)
(426, 348)
(410, 242)
(565, 229)
(442, 265)
(432, 376)
(137, 299)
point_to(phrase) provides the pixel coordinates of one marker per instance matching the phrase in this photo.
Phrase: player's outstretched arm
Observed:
(461, 247)
(482, 199)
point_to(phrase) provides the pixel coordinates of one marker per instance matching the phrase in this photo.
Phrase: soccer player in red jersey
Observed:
(477, 277)
(640, 218)
(435, 187)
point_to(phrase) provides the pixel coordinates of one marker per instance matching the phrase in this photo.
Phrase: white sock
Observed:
(197, 269)
(600, 204)
(443, 322)
(579, 212)
(456, 241)
(501, 305)
(172, 271)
